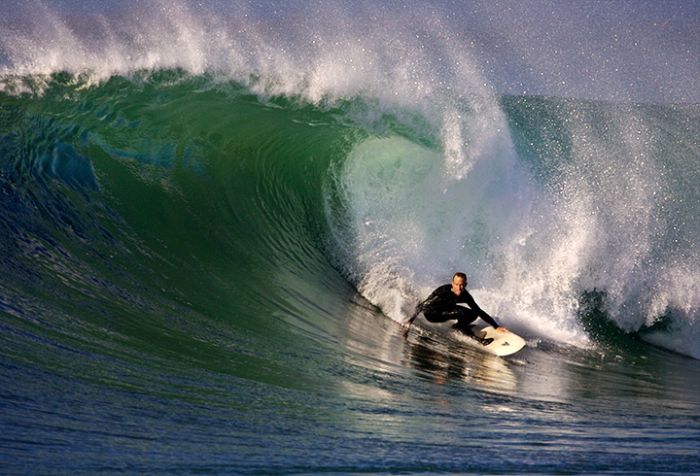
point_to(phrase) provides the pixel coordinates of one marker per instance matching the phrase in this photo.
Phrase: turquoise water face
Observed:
(180, 271)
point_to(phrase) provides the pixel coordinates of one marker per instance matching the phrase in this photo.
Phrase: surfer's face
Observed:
(458, 285)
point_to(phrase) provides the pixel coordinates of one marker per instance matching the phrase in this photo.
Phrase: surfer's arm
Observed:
(439, 300)
(407, 323)
(490, 320)
(469, 300)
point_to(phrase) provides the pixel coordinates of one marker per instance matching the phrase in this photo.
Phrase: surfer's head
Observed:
(459, 282)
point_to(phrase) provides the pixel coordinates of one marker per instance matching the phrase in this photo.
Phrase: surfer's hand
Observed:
(406, 327)
(501, 330)
(407, 323)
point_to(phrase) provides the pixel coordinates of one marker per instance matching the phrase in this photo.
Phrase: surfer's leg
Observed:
(465, 317)
(439, 317)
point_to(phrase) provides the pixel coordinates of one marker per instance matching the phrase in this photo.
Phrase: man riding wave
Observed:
(443, 305)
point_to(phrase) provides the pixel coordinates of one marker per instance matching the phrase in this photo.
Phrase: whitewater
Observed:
(214, 220)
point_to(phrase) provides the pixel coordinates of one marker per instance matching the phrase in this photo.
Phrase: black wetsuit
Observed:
(442, 306)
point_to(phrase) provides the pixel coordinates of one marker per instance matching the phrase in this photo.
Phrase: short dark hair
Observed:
(459, 274)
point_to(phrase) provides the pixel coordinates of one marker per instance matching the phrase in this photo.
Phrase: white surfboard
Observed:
(504, 343)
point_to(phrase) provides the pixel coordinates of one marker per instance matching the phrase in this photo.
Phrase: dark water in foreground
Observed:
(361, 400)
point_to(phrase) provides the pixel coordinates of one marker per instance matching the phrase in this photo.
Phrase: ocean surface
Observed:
(206, 257)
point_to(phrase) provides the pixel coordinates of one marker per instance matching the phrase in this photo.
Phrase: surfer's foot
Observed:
(484, 342)
(468, 331)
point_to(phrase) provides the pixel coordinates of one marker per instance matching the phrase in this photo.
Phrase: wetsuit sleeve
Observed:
(436, 301)
(413, 316)
(469, 301)
(419, 308)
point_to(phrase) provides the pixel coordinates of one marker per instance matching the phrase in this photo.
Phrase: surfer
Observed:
(442, 305)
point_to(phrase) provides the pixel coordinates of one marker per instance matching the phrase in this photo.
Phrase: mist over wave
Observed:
(539, 200)
(631, 52)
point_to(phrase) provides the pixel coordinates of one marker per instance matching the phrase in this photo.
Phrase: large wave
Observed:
(384, 152)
